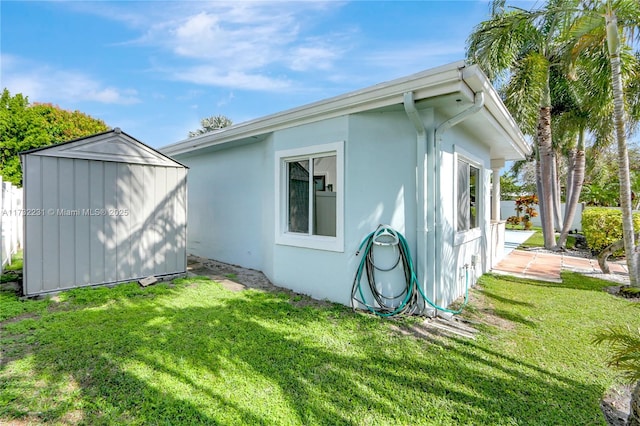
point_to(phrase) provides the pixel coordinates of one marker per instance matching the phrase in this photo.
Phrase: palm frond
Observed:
(497, 44)
(625, 346)
(526, 89)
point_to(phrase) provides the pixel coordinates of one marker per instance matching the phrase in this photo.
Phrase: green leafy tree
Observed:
(210, 124)
(24, 126)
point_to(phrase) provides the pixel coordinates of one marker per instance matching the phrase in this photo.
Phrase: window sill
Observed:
(463, 237)
(315, 242)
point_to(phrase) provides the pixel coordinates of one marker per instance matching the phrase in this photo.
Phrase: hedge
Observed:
(603, 226)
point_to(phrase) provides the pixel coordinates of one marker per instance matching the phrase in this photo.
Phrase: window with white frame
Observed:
(468, 195)
(310, 197)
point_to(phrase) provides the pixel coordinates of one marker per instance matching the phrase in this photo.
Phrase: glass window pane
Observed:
(298, 186)
(324, 196)
(474, 175)
(463, 196)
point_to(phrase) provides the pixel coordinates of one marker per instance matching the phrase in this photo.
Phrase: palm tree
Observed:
(613, 43)
(210, 124)
(518, 49)
(582, 103)
(588, 34)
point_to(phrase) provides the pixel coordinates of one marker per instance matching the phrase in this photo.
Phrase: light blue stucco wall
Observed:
(462, 248)
(227, 214)
(318, 273)
(232, 196)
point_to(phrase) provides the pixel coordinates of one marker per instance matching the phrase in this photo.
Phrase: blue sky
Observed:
(156, 68)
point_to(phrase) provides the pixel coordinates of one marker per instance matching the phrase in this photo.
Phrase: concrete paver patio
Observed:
(540, 265)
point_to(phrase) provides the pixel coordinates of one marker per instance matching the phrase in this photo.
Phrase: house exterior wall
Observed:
(321, 274)
(227, 213)
(94, 222)
(232, 204)
(469, 248)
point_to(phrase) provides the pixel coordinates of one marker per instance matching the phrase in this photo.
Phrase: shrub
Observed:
(514, 220)
(524, 204)
(603, 227)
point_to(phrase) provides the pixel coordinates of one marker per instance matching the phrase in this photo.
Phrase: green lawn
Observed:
(194, 353)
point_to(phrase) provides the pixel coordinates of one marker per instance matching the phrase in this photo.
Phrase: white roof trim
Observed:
(114, 146)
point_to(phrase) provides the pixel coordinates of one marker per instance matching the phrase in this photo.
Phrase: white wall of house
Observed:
(228, 190)
(469, 247)
(232, 203)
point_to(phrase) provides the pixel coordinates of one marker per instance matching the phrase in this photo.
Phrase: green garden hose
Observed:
(407, 301)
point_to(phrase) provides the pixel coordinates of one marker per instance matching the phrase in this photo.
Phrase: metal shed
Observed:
(103, 209)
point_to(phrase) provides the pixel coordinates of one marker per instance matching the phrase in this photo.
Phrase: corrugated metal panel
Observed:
(101, 222)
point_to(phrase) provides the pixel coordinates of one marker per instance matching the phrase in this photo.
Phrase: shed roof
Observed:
(449, 89)
(113, 145)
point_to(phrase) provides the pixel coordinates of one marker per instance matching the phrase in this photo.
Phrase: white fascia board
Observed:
(478, 81)
(434, 82)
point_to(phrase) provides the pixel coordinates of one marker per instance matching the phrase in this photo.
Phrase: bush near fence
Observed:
(603, 226)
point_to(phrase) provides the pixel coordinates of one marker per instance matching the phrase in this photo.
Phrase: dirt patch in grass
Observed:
(232, 277)
(481, 310)
(237, 278)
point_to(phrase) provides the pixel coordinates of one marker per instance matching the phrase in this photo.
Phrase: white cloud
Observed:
(44, 83)
(304, 58)
(212, 76)
(394, 61)
(242, 42)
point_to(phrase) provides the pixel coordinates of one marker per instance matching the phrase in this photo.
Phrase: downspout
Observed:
(423, 158)
(429, 220)
(478, 103)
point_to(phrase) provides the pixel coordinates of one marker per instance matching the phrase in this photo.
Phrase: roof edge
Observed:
(115, 131)
(380, 94)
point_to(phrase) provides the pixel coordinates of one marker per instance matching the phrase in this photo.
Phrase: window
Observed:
(468, 186)
(310, 197)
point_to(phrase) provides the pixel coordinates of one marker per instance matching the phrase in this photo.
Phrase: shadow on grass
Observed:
(213, 357)
(494, 296)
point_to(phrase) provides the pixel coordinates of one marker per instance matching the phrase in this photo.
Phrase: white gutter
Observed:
(425, 268)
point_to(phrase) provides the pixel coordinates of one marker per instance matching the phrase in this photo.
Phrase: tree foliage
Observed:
(210, 124)
(25, 126)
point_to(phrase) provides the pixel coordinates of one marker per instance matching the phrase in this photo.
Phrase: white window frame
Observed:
(466, 235)
(318, 242)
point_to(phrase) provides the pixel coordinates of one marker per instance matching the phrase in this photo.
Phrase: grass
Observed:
(191, 352)
(16, 262)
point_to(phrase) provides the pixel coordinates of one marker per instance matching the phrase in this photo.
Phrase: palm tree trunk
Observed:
(577, 181)
(571, 165)
(555, 188)
(634, 412)
(632, 256)
(545, 197)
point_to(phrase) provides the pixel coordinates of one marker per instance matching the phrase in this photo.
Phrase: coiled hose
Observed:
(406, 302)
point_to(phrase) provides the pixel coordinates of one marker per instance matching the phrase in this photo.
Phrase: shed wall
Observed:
(93, 222)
